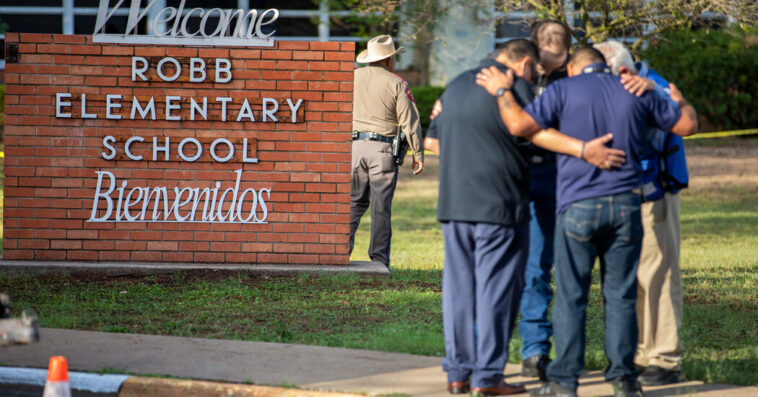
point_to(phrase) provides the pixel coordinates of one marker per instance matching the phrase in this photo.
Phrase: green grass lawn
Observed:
(403, 313)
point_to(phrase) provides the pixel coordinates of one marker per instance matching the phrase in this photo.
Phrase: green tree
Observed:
(637, 20)
(714, 68)
(592, 20)
(417, 17)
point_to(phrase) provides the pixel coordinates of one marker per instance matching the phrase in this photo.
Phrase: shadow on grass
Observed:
(724, 212)
(416, 216)
(722, 225)
(726, 370)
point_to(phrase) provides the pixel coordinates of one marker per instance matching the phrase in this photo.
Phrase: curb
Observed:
(159, 387)
(135, 386)
(15, 268)
(79, 381)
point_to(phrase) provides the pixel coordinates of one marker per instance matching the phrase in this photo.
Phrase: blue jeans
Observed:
(534, 326)
(608, 227)
(482, 282)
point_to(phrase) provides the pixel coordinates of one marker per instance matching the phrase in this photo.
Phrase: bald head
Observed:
(582, 57)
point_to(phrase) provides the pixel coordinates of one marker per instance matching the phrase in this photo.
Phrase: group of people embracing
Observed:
(549, 158)
(552, 158)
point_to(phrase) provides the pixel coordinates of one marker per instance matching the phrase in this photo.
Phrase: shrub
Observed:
(715, 69)
(425, 96)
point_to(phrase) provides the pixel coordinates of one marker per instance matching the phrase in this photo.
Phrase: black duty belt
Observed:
(371, 136)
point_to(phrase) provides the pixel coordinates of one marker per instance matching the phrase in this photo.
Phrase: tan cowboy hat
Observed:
(380, 47)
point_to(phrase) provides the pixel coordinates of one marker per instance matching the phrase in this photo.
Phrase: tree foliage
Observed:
(420, 15)
(592, 20)
(635, 20)
(418, 19)
(715, 69)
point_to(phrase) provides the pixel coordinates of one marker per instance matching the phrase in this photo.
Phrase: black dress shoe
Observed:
(535, 367)
(625, 387)
(657, 376)
(553, 389)
(500, 389)
(458, 387)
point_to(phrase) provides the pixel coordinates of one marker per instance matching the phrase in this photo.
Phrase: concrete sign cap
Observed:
(380, 47)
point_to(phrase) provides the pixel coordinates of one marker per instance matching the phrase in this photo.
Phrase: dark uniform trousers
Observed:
(482, 281)
(374, 176)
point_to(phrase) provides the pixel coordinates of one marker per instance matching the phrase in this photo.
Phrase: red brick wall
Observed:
(51, 163)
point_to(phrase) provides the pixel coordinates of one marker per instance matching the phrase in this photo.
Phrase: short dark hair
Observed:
(381, 62)
(517, 49)
(586, 53)
(542, 37)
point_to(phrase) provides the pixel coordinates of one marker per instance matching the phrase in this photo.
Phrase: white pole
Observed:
(244, 5)
(323, 20)
(152, 13)
(68, 16)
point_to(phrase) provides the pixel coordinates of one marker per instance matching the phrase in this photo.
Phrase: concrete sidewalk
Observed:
(309, 367)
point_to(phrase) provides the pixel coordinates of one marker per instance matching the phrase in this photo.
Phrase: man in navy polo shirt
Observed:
(598, 210)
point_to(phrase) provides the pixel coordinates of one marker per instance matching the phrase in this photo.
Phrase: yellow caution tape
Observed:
(722, 134)
(719, 134)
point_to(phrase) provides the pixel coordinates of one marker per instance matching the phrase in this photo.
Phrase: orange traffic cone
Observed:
(57, 378)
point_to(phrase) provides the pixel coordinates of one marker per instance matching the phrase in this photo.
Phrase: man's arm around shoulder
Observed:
(522, 124)
(687, 123)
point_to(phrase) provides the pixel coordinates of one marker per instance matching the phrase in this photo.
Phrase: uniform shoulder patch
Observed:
(407, 88)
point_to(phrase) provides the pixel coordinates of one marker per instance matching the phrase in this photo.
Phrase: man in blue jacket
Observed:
(598, 211)
(659, 291)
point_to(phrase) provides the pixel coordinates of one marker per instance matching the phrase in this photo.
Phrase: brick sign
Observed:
(123, 152)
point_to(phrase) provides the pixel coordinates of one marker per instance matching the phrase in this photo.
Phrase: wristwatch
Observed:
(501, 91)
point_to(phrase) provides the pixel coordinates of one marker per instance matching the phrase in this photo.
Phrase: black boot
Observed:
(553, 389)
(535, 367)
(657, 376)
(625, 387)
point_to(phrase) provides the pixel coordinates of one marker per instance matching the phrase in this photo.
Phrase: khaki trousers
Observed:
(373, 180)
(659, 286)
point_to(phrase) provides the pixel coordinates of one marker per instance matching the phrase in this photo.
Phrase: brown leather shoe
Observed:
(501, 389)
(458, 387)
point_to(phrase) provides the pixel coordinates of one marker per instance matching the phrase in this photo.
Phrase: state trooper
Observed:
(383, 107)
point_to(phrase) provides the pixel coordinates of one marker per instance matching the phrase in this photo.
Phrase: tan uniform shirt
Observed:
(382, 103)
